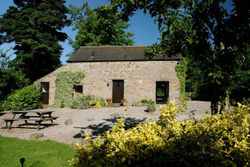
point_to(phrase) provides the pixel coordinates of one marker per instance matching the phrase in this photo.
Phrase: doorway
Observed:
(45, 92)
(162, 92)
(118, 91)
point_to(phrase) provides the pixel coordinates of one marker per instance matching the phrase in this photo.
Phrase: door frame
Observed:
(113, 93)
(166, 93)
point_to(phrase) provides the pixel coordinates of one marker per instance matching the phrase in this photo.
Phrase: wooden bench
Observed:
(4, 112)
(36, 120)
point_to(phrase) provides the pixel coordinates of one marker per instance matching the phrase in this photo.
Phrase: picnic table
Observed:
(37, 116)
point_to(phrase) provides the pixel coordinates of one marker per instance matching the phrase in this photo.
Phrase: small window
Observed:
(45, 87)
(77, 90)
(162, 92)
(45, 92)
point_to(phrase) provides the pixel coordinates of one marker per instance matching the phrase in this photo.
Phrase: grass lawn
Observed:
(36, 153)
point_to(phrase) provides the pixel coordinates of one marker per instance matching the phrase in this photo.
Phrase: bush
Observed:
(27, 98)
(219, 140)
(88, 101)
(1, 107)
(147, 102)
(11, 79)
(244, 101)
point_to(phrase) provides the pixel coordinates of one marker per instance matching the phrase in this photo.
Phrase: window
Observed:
(162, 92)
(45, 87)
(77, 90)
(45, 92)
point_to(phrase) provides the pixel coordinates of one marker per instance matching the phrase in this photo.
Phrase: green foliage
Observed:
(82, 102)
(100, 26)
(181, 70)
(160, 92)
(36, 153)
(147, 102)
(246, 101)
(27, 98)
(88, 101)
(65, 81)
(35, 28)
(152, 51)
(11, 79)
(62, 104)
(241, 90)
(4, 59)
(213, 38)
(219, 140)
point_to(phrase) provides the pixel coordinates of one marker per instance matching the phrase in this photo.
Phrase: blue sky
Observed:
(143, 27)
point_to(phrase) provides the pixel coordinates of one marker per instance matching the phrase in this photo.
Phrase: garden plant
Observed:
(219, 140)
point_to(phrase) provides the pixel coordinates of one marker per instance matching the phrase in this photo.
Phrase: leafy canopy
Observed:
(100, 26)
(10, 78)
(214, 39)
(34, 26)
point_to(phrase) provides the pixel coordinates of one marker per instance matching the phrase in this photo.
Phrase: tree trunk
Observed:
(214, 107)
(226, 103)
(222, 108)
(227, 100)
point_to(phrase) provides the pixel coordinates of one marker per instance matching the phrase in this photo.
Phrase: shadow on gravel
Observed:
(129, 122)
(101, 128)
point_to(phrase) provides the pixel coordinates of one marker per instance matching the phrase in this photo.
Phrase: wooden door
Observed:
(118, 91)
(45, 92)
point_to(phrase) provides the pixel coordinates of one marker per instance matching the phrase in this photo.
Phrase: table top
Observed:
(28, 111)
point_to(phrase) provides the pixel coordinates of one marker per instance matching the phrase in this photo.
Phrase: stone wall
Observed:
(139, 78)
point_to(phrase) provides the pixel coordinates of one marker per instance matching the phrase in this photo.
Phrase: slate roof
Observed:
(115, 53)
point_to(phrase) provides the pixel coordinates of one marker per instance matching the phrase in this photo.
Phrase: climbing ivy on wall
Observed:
(181, 70)
(65, 81)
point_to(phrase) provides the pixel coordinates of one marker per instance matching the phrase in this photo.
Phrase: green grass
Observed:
(36, 153)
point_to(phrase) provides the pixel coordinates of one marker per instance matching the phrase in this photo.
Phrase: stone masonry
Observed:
(139, 78)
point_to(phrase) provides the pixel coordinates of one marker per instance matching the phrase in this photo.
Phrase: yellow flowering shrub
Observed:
(98, 102)
(219, 140)
(89, 101)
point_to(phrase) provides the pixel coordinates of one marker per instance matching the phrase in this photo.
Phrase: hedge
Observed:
(219, 140)
(27, 98)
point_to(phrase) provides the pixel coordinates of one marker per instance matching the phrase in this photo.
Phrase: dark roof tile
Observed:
(115, 53)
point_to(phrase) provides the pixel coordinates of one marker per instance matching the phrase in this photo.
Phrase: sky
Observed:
(143, 27)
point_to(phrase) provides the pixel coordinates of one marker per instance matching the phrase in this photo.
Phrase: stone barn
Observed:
(119, 72)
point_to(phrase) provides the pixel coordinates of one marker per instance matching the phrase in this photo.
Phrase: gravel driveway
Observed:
(72, 122)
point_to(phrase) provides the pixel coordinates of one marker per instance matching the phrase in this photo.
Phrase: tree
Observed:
(34, 26)
(213, 38)
(100, 26)
(10, 78)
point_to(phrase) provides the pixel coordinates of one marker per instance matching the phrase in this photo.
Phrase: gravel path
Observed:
(94, 121)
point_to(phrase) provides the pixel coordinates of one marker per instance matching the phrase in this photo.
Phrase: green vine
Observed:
(181, 70)
(153, 51)
(65, 81)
